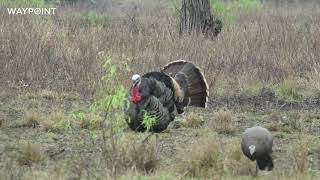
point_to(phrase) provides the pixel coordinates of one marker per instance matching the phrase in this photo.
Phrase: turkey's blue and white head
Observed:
(136, 79)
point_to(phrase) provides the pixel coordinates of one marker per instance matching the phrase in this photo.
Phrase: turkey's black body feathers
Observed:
(160, 77)
(265, 162)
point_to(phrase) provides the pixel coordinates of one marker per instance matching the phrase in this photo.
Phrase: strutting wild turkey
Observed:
(165, 94)
(257, 145)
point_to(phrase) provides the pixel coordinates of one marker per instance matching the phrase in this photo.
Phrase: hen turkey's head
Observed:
(136, 79)
(252, 149)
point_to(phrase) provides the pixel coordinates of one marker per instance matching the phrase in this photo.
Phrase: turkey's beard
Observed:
(135, 94)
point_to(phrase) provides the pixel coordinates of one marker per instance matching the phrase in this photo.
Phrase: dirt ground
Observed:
(80, 148)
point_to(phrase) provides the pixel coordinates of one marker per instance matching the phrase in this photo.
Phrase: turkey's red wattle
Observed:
(135, 94)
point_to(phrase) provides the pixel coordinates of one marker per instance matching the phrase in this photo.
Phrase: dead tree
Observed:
(196, 16)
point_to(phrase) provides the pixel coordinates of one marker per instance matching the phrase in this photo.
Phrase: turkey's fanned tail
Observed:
(191, 81)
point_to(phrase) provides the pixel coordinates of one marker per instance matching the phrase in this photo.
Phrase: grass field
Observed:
(52, 72)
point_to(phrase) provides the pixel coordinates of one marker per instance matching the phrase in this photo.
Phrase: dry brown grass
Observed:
(30, 154)
(32, 119)
(203, 158)
(289, 122)
(298, 154)
(55, 122)
(275, 121)
(235, 162)
(143, 157)
(223, 122)
(296, 120)
(193, 120)
(2, 119)
(133, 154)
(67, 51)
(90, 121)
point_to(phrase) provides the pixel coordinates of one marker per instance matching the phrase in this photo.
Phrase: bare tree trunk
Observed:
(196, 16)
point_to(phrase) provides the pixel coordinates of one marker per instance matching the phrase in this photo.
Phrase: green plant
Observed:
(114, 97)
(88, 120)
(227, 10)
(290, 89)
(248, 4)
(111, 106)
(148, 120)
(56, 122)
(117, 99)
(113, 100)
(224, 10)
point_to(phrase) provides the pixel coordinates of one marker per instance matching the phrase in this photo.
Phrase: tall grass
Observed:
(64, 52)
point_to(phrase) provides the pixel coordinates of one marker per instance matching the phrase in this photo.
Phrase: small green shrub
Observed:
(56, 122)
(289, 89)
(148, 120)
(116, 100)
(113, 100)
